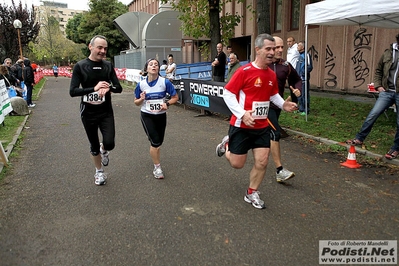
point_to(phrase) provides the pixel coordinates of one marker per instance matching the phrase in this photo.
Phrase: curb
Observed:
(14, 140)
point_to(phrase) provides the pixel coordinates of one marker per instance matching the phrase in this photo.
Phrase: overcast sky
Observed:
(72, 4)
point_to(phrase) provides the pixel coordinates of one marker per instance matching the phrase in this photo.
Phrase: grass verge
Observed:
(340, 120)
(10, 127)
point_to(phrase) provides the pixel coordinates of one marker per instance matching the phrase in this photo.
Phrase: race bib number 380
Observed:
(261, 109)
(93, 98)
(154, 106)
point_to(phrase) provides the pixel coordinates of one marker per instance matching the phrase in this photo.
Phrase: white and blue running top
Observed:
(156, 92)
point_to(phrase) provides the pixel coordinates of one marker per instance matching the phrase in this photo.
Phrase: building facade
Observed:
(344, 57)
(58, 10)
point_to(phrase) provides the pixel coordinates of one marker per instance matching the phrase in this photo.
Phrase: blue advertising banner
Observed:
(207, 95)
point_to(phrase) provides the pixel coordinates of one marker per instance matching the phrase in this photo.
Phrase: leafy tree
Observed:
(51, 39)
(9, 46)
(99, 21)
(71, 28)
(73, 52)
(51, 46)
(202, 19)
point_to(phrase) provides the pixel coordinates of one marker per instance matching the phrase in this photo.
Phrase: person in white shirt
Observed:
(171, 69)
(292, 51)
(164, 65)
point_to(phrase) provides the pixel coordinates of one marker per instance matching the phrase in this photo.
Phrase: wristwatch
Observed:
(167, 104)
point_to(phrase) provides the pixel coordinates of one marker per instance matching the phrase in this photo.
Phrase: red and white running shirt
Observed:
(252, 87)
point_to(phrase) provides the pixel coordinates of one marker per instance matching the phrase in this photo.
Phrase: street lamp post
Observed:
(18, 25)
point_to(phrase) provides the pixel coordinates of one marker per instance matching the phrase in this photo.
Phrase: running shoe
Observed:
(255, 200)
(100, 178)
(221, 147)
(284, 175)
(158, 174)
(104, 155)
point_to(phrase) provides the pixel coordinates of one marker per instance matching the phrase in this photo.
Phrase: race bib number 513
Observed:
(154, 106)
(261, 109)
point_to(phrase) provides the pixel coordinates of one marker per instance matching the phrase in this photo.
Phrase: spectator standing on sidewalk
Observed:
(304, 104)
(8, 63)
(386, 82)
(150, 94)
(285, 72)
(233, 66)
(164, 65)
(248, 96)
(11, 77)
(171, 68)
(229, 50)
(93, 79)
(34, 66)
(219, 64)
(29, 80)
(4, 75)
(292, 51)
(17, 70)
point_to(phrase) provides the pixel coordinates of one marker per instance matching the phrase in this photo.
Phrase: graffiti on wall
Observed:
(361, 43)
(314, 54)
(331, 79)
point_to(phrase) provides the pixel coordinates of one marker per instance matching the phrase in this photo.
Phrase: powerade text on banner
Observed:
(203, 94)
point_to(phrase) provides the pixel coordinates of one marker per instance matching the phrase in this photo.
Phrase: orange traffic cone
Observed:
(351, 161)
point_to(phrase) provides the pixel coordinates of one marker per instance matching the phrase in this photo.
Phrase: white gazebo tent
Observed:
(381, 13)
(373, 13)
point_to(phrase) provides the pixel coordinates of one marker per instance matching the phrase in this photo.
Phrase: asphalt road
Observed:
(51, 213)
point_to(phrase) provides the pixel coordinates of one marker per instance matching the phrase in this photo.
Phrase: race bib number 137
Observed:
(261, 109)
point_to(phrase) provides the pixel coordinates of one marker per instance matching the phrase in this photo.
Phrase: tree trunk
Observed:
(263, 16)
(214, 26)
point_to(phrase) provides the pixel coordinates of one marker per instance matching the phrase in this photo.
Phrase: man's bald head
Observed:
(278, 52)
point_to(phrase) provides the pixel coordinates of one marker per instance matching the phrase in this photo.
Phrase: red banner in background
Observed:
(38, 76)
(67, 72)
(120, 73)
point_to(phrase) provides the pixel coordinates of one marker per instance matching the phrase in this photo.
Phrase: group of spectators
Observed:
(20, 78)
(19, 75)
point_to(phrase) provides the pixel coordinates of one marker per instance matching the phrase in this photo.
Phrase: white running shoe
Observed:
(284, 175)
(100, 178)
(104, 155)
(221, 147)
(158, 174)
(105, 158)
(255, 200)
